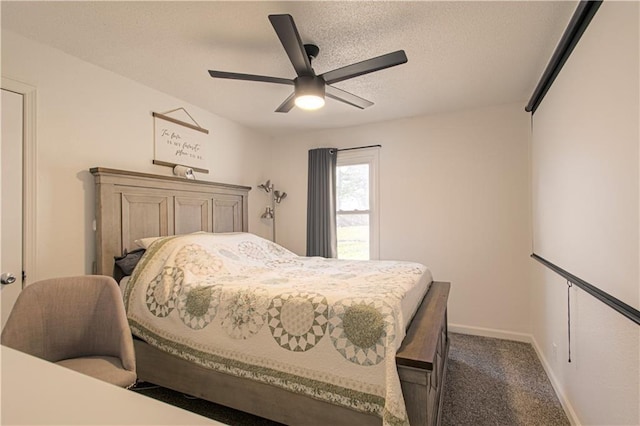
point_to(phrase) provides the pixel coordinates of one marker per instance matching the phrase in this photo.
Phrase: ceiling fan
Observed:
(310, 89)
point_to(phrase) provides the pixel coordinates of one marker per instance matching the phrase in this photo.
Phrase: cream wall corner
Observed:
(87, 117)
(454, 195)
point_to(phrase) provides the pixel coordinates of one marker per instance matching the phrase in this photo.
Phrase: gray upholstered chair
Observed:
(76, 322)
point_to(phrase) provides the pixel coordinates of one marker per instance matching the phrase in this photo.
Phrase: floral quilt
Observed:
(242, 305)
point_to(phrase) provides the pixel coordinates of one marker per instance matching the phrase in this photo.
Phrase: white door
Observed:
(11, 149)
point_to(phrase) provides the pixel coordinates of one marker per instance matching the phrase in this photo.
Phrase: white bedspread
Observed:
(245, 306)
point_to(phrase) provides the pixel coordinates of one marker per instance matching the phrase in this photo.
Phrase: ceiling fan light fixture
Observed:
(309, 102)
(309, 92)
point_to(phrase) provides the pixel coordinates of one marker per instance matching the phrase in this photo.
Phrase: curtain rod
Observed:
(360, 147)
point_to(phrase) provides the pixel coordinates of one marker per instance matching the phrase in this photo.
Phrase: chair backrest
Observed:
(69, 317)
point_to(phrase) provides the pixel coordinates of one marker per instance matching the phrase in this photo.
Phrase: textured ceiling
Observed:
(461, 54)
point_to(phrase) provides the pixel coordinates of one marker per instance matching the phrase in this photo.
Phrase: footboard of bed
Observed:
(260, 399)
(422, 358)
(421, 362)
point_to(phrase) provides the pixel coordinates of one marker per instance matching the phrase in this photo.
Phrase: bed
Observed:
(205, 220)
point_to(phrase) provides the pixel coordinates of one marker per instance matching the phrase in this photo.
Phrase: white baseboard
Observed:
(526, 338)
(491, 332)
(566, 405)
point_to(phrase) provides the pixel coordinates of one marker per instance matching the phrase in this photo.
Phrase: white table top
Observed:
(37, 392)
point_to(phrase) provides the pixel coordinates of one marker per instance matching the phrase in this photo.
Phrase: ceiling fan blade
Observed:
(290, 39)
(249, 77)
(370, 65)
(346, 97)
(288, 104)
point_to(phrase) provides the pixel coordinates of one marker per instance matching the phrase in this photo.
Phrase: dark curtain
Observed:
(321, 203)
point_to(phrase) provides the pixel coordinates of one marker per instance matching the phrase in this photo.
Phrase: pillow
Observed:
(127, 263)
(145, 242)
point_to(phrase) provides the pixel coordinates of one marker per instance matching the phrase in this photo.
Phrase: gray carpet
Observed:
(489, 382)
(497, 382)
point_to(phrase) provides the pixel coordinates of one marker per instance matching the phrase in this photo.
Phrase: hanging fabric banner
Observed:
(180, 143)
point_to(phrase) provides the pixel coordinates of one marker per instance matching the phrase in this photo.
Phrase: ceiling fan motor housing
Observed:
(309, 85)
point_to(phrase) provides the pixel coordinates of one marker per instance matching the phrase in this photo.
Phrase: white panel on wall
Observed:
(585, 159)
(585, 190)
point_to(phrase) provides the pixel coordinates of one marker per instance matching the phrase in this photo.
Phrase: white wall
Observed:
(88, 117)
(454, 195)
(586, 184)
(453, 188)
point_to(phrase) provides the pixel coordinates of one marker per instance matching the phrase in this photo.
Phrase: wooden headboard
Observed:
(131, 205)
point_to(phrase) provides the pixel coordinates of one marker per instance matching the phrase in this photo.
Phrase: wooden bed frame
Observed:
(131, 205)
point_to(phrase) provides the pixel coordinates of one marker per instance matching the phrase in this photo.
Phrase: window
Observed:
(356, 204)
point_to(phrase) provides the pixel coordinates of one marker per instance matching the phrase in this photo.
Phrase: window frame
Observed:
(370, 156)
